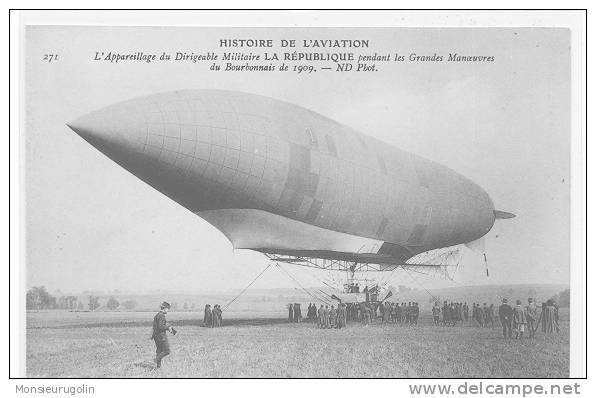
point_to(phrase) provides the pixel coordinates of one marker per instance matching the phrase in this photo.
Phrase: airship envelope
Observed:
(281, 179)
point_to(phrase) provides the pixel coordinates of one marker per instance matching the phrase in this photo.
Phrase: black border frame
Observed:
(290, 10)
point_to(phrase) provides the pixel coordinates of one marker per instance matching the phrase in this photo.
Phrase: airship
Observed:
(288, 182)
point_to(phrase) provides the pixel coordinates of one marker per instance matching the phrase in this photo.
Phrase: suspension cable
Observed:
(419, 284)
(300, 285)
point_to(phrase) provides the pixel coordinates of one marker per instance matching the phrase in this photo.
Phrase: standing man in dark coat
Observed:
(326, 324)
(383, 309)
(208, 317)
(478, 315)
(321, 318)
(452, 314)
(416, 313)
(491, 316)
(436, 313)
(332, 318)
(484, 315)
(446, 314)
(506, 317)
(474, 315)
(160, 327)
(217, 319)
(297, 313)
(341, 316)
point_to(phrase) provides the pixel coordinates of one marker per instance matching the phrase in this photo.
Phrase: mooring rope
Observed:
(246, 288)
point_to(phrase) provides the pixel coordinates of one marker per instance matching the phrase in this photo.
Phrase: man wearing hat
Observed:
(160, 327)
(506, 317)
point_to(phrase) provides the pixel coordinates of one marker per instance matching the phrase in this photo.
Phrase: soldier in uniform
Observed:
(320, 317)
(392, 312)
(208, 317)
(297, 313)
(519, 320)
(474, 312)
(383, 310)
(333, 318)
(415, 313)
(436, 313)
(160, 327)
(341, 316)
(445, 312)
(491, 316)
(406, 313)
(478, 317)
(452, 314)
(506, 318)
(550, 317)
(217, 319)
(364, 314)
(368, 312)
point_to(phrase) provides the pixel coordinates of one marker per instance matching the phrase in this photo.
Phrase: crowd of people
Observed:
(295, 313)
(399, 313)
(515, 320)
(519, 319)
(212, 317)
(449, 314)
(328, 318)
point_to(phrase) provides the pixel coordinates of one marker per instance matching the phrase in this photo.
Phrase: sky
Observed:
(90, 225)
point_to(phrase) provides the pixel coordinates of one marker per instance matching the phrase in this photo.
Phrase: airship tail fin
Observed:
(502, 215)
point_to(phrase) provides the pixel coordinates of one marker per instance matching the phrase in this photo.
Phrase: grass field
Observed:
(102, 344)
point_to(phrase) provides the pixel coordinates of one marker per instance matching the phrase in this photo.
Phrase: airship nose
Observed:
(119, 132)
(157, 142)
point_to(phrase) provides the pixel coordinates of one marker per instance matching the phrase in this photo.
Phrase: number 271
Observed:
(50, 57)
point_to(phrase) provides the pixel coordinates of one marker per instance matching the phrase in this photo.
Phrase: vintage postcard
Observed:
(297, 202)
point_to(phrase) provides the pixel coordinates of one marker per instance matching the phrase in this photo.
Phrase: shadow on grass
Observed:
(147, 365)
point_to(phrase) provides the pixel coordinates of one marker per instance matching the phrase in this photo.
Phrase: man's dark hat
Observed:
(165, 304)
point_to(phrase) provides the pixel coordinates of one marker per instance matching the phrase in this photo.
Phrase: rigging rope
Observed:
(425, 289)
(326, 294)
(320, 280)
(246, 288)
(387, 279)
(314, 295)
(332, 287)
(300, 285)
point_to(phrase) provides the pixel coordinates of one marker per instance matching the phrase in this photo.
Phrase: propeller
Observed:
(389, 294)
